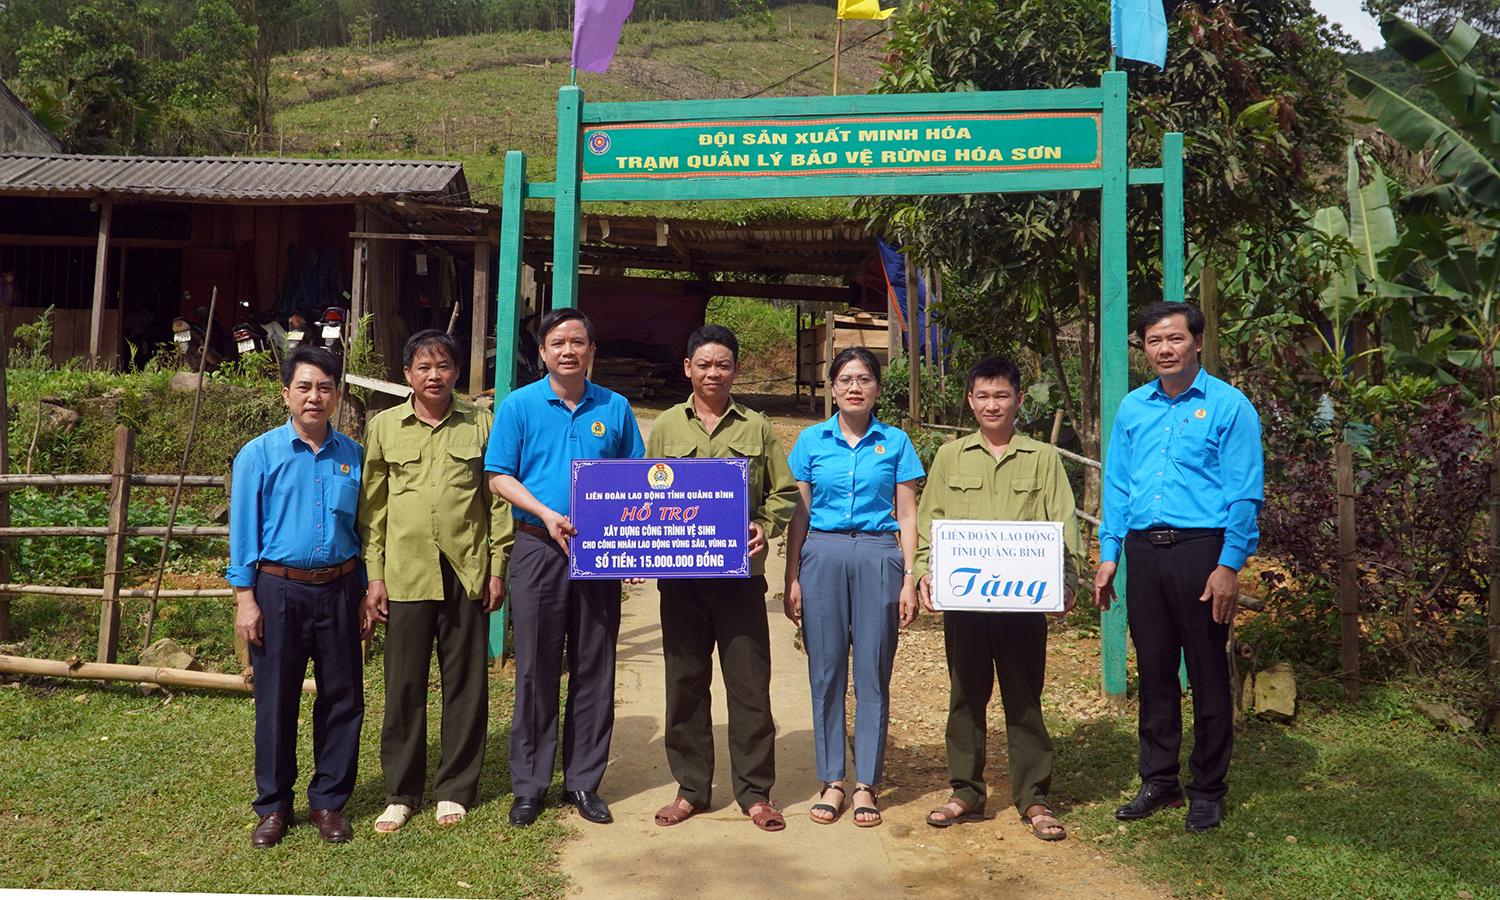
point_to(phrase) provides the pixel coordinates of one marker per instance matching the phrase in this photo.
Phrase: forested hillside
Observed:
(216, 76)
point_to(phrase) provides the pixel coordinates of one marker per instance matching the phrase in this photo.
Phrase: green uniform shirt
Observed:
(1027, 484)
(425, 493)
(678, 433)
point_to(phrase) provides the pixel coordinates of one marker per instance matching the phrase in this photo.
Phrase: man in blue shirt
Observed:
(294, 564)
(1182, 489)
(539, 430)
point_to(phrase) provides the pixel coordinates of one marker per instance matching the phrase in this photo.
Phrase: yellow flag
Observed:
(862, 9)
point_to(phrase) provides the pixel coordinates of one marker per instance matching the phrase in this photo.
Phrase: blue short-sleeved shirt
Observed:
(1193, 461)
(292, 506)
(854, 488)
(536, 437)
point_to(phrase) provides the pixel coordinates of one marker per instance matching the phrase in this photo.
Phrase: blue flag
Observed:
(1138, 30)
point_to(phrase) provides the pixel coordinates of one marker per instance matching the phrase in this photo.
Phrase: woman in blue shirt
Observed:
(848, 574)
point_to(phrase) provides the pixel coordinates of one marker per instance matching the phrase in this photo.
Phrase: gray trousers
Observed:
(851, 599)
(553, 615)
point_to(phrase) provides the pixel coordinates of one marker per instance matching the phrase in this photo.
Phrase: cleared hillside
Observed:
(475, 97)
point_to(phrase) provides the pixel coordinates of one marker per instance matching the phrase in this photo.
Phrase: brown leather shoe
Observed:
(332, 825)
(271, 829)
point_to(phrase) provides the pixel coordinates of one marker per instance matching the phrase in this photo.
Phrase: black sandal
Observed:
(867, 810)
(834, 813)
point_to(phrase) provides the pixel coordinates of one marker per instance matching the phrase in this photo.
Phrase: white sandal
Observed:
(449, 808)
(395, 816)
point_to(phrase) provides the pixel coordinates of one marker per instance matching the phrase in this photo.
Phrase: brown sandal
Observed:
(945, 816)
(766, 817)
(678, 811)
(1045, 819)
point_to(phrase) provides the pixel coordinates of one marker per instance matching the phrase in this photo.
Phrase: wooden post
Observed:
(1208, 301)
(4, 470)
(828, 365)
(114, 544)
(892, 328)
(1348, 577)
(479, 326)
(101, 278)
(913, 345)
(357, 280)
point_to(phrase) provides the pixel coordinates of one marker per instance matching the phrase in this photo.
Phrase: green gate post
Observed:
(569, 222)
(1114, 349)
(507, 315)
(1173, 285)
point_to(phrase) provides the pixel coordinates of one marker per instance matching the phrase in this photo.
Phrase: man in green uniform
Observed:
(437, 542)
(697, 613)
(997, 475)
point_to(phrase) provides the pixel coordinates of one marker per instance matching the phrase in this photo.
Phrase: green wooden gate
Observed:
(894, 144)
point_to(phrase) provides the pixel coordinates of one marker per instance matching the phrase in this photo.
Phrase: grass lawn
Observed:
(102, 788)
(1348, 803)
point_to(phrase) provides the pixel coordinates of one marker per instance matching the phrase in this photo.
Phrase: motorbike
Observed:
(258, 332)
(331, 329)
(297, 332)
(193, 343)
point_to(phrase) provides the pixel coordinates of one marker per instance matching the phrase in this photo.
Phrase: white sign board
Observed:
(997, 566)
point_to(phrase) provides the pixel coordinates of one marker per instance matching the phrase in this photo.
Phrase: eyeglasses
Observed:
(847, 381)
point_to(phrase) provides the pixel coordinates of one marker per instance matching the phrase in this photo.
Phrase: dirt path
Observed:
(720, 854)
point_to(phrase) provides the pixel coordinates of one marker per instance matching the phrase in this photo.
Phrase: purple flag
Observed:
(596, 31)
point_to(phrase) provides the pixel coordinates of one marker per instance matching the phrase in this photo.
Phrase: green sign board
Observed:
(845, 145)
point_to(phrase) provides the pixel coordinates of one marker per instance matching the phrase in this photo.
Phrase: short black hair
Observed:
(431, 340)
(714, 334)
(849, 355)
(992, 367)
(558, 316)
(312, 356)
(1161, 309)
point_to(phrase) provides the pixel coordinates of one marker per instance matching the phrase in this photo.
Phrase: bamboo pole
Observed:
(838, 40)
(48, 590)
(187, 454)
(9, 482)
(160, 675)
(114, 545)
(106, 531)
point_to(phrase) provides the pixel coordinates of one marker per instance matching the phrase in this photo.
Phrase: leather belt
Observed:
(1166, 537)
(533, 530)
(311, 576)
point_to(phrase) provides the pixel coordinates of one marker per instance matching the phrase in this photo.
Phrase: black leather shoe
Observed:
(524, 810)
(1149, 800)
(333, 825)
(270, 829)
(1204, 814)
(590, 805)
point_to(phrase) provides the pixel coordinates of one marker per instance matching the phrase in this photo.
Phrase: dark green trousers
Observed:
(458, 626)
(1011, 648)
(698, 614)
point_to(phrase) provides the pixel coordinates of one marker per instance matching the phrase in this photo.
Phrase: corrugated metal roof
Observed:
(229, 178)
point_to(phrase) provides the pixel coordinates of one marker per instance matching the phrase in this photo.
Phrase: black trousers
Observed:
(321, 623)
(1168, 623)
(552, 615)
(698, 614)
(458, 626)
